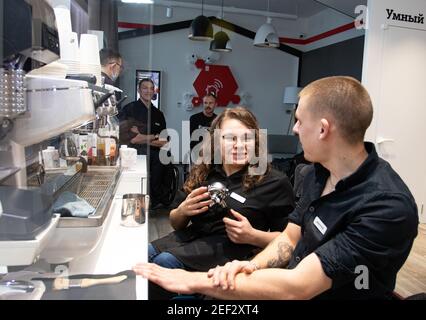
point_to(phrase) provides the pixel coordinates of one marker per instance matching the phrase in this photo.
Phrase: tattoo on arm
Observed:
(285, 251)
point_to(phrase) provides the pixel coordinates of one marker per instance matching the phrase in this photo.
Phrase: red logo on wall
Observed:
(218, 80)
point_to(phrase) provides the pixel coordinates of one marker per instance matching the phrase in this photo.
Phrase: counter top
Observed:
(119, 247)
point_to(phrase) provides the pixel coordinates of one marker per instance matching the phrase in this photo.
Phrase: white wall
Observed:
(263, 73)
(324, 21)
(395, 74)
(373, 53)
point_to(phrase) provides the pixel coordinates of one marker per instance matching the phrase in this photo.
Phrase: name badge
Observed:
(157, 124)
(238, 197)
(320, 225)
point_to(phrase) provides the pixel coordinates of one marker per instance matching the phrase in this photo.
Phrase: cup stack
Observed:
(68, 41)
(128, 157)
(70, 52)
(89, 57)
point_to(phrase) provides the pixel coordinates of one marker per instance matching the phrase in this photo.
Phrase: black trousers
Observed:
(157, 185)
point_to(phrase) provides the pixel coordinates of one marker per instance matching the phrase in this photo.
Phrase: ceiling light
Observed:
(221, 41)
(201, 27)
(266, 36)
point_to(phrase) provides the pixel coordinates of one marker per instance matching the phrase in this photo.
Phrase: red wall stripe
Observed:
(318, 37)
(128, 25)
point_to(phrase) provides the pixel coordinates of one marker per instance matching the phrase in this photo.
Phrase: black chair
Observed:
(170, 184)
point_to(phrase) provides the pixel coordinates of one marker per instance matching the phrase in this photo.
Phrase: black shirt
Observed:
(199, 121)
(152, 121)
(369, 220)
(205, 244)
(107, 79)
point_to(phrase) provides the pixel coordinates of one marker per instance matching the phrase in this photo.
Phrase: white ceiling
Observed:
(299, 8)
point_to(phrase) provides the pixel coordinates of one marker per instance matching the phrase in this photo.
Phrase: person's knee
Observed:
(167, 260)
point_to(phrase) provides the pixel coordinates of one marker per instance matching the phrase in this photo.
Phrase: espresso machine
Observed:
(35, 113)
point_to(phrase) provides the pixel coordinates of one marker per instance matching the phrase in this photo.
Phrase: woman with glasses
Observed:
(252, 215)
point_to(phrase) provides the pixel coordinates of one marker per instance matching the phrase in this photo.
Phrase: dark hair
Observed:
(199, 173)
(108, 56)
(145, 80)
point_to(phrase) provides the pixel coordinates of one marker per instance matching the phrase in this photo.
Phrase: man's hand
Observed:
(240, 230)
(198, 201)
(224, 277)
(174, 280)
(135, 129)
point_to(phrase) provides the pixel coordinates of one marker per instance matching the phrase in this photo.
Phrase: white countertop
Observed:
(119, 247)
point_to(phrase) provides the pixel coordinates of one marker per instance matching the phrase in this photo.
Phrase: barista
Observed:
(112, 65)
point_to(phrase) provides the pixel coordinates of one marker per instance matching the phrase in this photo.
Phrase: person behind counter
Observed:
(207, 235)
(352, 229)
(112, 65)
(141, 124)
(204, 119)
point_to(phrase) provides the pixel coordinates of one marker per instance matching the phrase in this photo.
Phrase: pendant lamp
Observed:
(201, 27)
(221, 41)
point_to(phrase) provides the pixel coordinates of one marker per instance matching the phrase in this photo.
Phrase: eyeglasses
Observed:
(245, 139)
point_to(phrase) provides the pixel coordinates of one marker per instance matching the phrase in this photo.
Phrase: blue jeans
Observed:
(164, 259)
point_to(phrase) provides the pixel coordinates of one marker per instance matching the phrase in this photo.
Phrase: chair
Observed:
(170, 184)
(282, 145)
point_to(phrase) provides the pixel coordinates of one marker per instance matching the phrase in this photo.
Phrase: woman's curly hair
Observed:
(199, 173)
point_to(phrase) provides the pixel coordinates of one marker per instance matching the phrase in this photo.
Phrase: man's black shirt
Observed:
(151, 121)
(370, 220)
(199, 121)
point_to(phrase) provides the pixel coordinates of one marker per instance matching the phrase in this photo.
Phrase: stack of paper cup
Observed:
(70, 51)
(89, 56)
(63, 19)
(128, 157)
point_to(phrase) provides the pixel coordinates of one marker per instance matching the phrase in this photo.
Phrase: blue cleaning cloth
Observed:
(71, 205)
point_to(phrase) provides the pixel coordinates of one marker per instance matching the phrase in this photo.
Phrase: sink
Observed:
(76, 237)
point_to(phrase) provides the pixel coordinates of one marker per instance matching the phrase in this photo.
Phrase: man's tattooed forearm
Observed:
(285, 251)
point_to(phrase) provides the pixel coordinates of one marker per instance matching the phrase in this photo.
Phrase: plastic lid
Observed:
(51, 148)
(123, 146)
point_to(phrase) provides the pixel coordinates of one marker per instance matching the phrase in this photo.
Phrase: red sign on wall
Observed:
(217, 79)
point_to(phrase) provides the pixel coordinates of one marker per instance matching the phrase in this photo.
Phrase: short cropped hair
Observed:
(108, 56)
(211, 94)
(346, 100)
